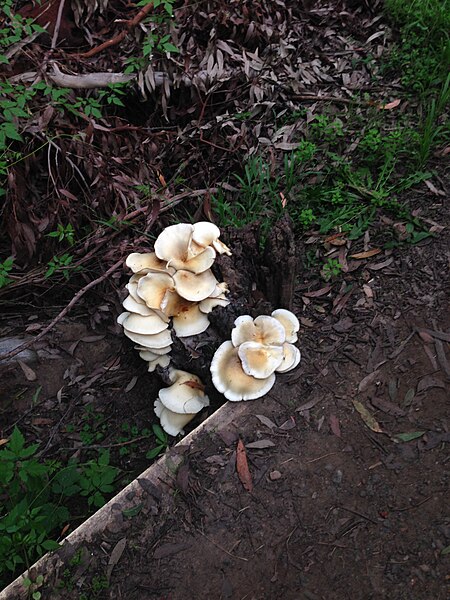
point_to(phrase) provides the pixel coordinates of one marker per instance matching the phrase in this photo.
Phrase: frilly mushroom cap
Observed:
(185, 395)
(264, 330)
(173, 245)
(259, 360)
(194, 287)
(159, 361)
(138, 261)
(207, 305)
(158, 340)
(290, 323)
(148, 325)
(172, 423)
(207, 234)
(155, 351)
(291, 358)
(153, 287)
(139, 308)
(230, 379)
(190, 321)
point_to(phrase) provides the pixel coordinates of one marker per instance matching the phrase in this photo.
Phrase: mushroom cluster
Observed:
(173, 282)
(244, 368)
(178, 404)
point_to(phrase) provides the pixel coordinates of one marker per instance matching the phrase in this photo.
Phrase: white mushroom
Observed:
(230, 379)
(208, 304)
(290, 323)
(207, 234)
(291, 358)
(158, 340)
(194, 287)
(260, 360)
(148, 325)
(264, 330)
(155, 351)
(137, 262)
(131, 305)
(152, 288)
(159, 361)
(173, 244)
(190, 321)
(185, 395)
(172, 423)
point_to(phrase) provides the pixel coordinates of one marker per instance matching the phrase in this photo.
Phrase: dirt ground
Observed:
(347, 456)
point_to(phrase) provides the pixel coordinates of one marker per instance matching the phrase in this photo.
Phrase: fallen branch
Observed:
(64, 312)
(120, 36)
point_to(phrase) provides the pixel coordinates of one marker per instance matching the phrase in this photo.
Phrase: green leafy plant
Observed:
(162, 442)
(331, 269)
(32, 499)
(64, 233)
(5, 268)
(61, 263)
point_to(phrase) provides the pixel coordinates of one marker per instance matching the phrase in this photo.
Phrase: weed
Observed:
(161, 440)
(61, 263)
(64, 233)
(32, 495)
(5, 267)
(331, 269)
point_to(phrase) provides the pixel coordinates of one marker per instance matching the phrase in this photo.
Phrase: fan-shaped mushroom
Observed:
(230, 379)
(290, 323)
(263, 329)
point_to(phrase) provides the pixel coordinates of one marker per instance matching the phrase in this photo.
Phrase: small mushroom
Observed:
(207, 234)
(172, 246)
(291, 358)
(190, 321)
(172, 423)
(290, 323)
(147, 325)
(230, 379)
(207, 305)
(159, 361)
(194, 287)
(158, 340)
(152, 288)
(137, 262)
(260, 360)
(185, 395)
(264, 330)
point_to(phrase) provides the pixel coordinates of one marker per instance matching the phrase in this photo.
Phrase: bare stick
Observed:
(58, 24)
(64, 311)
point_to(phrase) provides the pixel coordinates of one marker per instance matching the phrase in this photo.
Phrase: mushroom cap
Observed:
(159, 361)
(155, 351)
(264, 330)
(291, 358)
(260, 360)
(132, 306)
(290, 323)
(173, 244)
(208, 304)
(190, 321)
(207, 234)
(148, 325)
(138, 261)
(149, 342)
(230, 379)
(172, 423)
(194, 287)
(173, 304)
(152, 288)
(185, 395)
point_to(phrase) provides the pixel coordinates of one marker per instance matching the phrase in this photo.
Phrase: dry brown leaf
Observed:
(366, 254)
(334, 425)
(4, 441)
(367, 417)
(242, 467)
(390, 105)
(30, 375)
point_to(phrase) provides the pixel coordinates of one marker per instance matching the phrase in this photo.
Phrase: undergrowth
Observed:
(348, 166)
